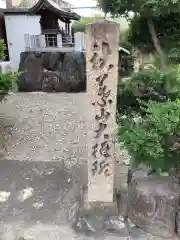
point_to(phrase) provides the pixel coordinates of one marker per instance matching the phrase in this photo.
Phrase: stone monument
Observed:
(102, 39)
(97, 212)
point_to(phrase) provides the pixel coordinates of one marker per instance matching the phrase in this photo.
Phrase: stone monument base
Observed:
(97, 219)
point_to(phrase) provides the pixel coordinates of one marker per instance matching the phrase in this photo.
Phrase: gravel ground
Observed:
(49, 127)
(43, 127)
(40, 132)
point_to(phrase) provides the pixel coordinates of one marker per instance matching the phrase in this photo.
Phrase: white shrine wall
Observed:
(16, 27)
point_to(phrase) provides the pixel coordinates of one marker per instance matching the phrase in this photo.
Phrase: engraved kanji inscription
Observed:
(95, 60)
(100, 130)
(104, 168)
(102, 40)
(104, 149)
(103, 95)
(102, 91)
(95, 150)
(104, 115)
(95, 167)
(101, 79)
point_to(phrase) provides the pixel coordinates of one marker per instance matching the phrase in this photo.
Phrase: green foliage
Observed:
(154, 139)
(6, 82)
(6, 79)
(174, 55)
(2, 49)
(167, 28)
(148, 84)
(123, 41)
(79, 26)
(142, 7)
(150, 117)
(145, 13)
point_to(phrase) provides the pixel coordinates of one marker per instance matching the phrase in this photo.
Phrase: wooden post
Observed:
(102, 39)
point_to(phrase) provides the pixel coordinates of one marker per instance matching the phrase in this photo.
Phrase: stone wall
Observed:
(52, 72)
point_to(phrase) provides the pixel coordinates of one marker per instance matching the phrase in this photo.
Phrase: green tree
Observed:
(145, 85)
(167, 27)
(147, 9)
(79, 26)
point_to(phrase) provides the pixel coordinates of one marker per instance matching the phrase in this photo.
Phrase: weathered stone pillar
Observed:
(102, 39)
(96, 212)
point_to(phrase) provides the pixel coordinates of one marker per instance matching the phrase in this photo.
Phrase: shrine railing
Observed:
(49, 42)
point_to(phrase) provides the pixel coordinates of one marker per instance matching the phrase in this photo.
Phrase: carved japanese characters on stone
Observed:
(100, 130)
(101, 61)
(104, 93)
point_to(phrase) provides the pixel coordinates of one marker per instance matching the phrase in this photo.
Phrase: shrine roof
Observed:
(43, 5)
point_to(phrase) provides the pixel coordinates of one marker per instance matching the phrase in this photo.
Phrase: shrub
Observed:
(154, 139)
(149, 123)
(6, 82)
(148, 84)
(6, 79)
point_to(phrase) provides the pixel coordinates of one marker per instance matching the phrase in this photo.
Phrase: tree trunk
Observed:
(157, 44)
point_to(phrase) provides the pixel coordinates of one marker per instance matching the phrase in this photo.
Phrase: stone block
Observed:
(97, 219)
(152, 204)
(122, 201)
(66, 72)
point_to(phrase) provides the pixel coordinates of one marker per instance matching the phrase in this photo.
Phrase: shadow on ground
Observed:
(33, 192)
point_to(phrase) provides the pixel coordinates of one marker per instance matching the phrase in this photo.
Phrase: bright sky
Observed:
(76, 3)
(81, 3)
(85, 3)
(2, 4)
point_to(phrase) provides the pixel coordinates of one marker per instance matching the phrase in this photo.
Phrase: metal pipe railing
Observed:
(48, 41)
